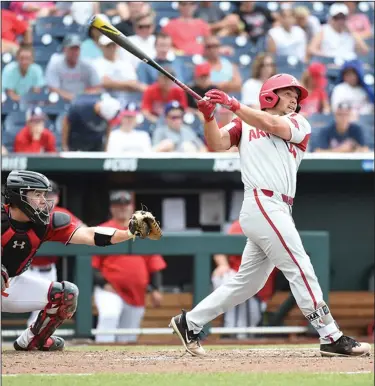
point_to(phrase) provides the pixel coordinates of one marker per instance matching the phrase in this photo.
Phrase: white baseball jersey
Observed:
(267, 161)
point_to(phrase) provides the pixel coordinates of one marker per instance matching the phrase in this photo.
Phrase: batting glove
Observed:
(220, 97)
(207, 109)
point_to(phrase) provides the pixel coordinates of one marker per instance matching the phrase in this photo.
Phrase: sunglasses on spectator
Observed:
(182, 3)
(212, 46)
(174, 117)
(268, 65)
(339, 17)
(144, 26)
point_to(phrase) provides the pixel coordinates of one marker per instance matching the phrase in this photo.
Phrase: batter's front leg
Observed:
(253, 273)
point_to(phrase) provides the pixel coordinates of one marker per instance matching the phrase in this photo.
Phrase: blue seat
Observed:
(42, 54)
(146, 126)
(8, 105)
(187, 65)
(55, 26)
(367, 123)
(284, 64)
(161, 6)
(318, 121)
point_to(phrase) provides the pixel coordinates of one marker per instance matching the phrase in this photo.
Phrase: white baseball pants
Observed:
(272, 241)
(113, 313)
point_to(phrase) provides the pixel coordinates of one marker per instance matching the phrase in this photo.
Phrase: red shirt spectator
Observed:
(186, 31)
(30, 10)
(12, 25)
(158, 95)
(34, 137)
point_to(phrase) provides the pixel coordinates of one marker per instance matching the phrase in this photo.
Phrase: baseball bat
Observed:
(119, 38)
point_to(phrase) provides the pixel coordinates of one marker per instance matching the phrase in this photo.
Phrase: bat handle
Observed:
(188, 90)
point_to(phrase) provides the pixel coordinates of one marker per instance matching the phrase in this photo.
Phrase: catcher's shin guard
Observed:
(62, 303)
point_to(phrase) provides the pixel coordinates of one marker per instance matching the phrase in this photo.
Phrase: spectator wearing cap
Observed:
(127, 138)
(352, 89)
(12, 28)
(359, 22)
(308, 22)
(144, 39)
(187, 32)
(68, 75)
(224, 74)
(159, 94)
(263, 67)
(34, 137)
(287, 38)
(121, 282)
(164, 56)
(342, 135)
(174, 135)
(87, 125)
(22, 75)
(202, 83)
(315, 81)
(336, 39)
(44, 267)
(117, 76)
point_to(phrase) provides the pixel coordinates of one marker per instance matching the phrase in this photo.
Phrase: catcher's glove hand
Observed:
(143, 224)
(4, 278)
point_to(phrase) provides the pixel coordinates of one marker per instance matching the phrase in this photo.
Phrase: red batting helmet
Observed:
(267, 96)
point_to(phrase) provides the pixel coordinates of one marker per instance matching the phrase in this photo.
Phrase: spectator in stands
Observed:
(352, 89)
(254, 21)
(127, 138)
(263, 68)
(309, 23)
(68, 75)
(342, 135)
(135, 9)
(202, 84)
(122, 281)
(114, 8)
(164, 56)
(22, 75)
(174, 135)
(90, 48)
(224, 74)
(117, 76)
(12, 28)
(359, 22)
(249, 313)
(159, 94)
(143, 38)
(315, 81)
(186, 31)
(220, 23)
(336, 39)
(287, 39)
(34, 137)
(4, 150)
(87, 125)
(31, 10)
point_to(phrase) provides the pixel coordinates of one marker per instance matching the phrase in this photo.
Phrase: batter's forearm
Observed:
(214, 137)
(257, 118)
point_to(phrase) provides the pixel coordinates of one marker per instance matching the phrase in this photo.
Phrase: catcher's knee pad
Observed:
(62, 303)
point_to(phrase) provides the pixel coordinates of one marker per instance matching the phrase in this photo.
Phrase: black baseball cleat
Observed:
(190, 340)
(53, 343)
(345, 347)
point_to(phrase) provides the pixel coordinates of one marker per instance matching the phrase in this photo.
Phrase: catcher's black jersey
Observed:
(19, 242)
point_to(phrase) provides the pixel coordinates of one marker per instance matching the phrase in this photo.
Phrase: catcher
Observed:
(26, 222)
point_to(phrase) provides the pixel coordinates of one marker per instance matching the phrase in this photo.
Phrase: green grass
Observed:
(222, 379)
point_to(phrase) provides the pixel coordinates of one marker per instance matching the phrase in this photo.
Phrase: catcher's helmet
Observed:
(19, 182)
(269, 99)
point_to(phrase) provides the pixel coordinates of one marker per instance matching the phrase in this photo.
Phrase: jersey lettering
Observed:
(256, 134)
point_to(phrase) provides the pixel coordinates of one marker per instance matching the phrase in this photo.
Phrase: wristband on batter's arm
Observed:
(156, 279)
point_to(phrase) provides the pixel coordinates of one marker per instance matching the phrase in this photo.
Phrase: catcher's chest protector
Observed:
(19, 242)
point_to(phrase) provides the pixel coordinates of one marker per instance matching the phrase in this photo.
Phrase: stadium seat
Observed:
(367, 123)
(57, 26)
(160, 6)
(8, 105)
(5, 59)
(145, 125)
(290, 64)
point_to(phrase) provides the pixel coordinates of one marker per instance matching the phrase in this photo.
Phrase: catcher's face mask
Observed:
(37, 204)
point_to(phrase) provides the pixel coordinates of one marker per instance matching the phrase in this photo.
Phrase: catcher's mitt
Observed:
(4, 278)
(143, 224)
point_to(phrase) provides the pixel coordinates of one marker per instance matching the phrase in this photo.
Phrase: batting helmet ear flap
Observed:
(298, 108)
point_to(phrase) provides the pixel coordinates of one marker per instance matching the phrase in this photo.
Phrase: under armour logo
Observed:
(21, 245)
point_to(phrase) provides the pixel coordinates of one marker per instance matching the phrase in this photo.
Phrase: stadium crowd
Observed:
(63, 82)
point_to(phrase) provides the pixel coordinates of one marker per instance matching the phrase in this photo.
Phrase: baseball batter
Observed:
(271, 142)
(27, 221)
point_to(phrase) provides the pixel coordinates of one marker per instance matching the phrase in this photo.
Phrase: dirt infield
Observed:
(173, 360)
